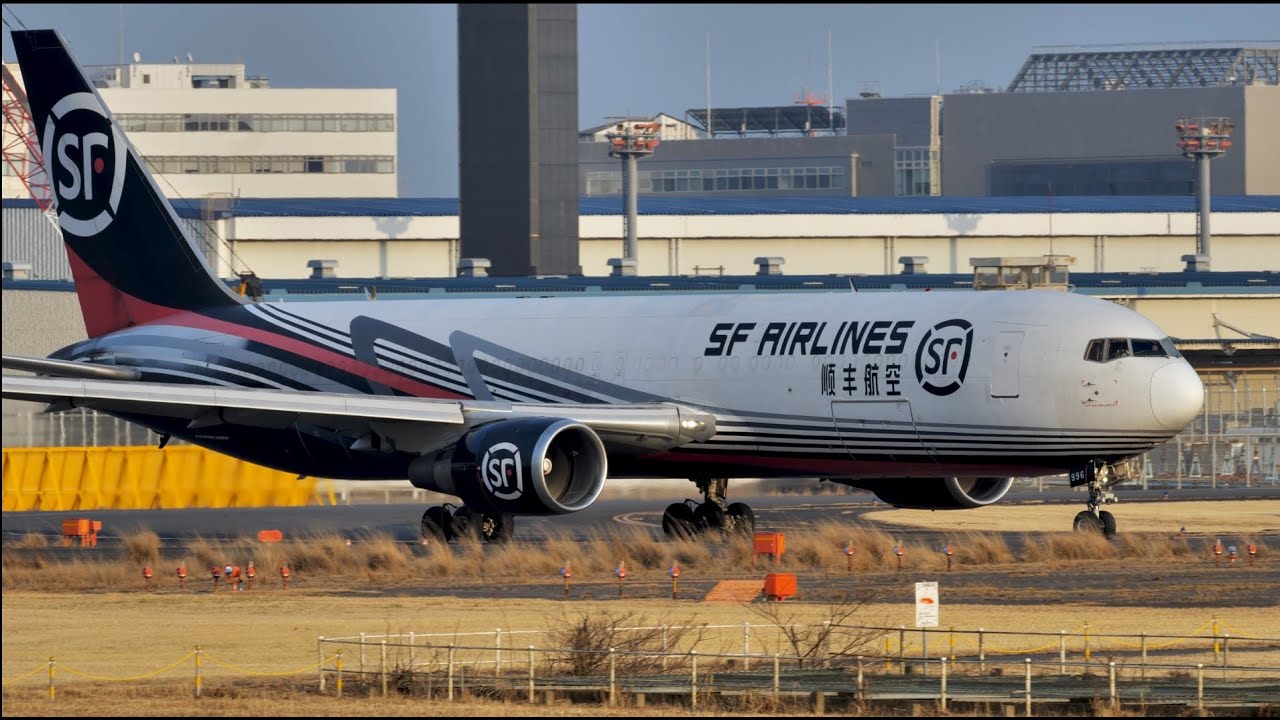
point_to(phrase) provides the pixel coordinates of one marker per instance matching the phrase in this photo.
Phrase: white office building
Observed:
(208, 130)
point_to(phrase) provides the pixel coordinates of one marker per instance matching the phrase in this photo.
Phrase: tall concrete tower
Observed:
(518, 136)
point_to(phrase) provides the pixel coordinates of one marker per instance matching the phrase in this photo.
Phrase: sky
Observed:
(632, 59)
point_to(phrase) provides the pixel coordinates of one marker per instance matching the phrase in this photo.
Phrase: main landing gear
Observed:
(686, 520)
(1100, 479)
(443, 523)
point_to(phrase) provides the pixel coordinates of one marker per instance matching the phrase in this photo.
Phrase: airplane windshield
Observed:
(1107, 349)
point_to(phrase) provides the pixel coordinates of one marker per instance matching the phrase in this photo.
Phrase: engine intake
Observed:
(950, 493)
(524, 466)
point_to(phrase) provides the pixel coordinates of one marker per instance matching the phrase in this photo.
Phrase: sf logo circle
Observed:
(942, 358)
(501, 470)
(84, 157)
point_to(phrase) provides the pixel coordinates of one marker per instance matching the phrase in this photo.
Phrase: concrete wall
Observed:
(1139, 124)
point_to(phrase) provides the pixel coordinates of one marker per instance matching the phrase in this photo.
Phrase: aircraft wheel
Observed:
(466, 524)
(1108, 523)
(498, 528)
(710, 516)
(677, 522)
(437, 524)
(1087, 522)
(742, 518)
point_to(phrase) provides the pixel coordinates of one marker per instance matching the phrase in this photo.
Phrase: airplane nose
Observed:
(1176, 395)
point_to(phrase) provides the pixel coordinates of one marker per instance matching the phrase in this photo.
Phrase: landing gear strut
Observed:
(444, 523)
(1100, 478)
(684, 520)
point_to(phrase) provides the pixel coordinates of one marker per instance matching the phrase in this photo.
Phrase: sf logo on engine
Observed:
(942, 358)
(502, 472)
(84, 157)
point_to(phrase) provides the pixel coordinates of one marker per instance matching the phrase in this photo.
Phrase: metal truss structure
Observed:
(1084, 70)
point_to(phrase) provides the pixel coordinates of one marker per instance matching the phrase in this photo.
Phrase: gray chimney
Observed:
(323, 268)
(474, 267)
(769, 265)
(17, 270)
(913, 264)
(622, 267)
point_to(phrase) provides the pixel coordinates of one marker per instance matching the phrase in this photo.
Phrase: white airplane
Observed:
(526, 406)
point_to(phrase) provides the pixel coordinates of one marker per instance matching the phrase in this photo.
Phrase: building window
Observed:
(915, 172)
(252, 122)
(243, 164)
(720, 180)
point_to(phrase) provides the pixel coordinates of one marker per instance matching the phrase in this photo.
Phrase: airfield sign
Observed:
(926, 604)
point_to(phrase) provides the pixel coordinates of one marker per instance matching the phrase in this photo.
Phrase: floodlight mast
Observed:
(1202, 139)
(631, 141)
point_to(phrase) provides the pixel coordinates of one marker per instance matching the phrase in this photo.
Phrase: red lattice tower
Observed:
(22, 148)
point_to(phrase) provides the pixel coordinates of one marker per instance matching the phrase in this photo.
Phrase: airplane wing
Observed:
(419, 424)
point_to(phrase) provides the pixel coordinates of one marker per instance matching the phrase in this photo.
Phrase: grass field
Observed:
(124, 652)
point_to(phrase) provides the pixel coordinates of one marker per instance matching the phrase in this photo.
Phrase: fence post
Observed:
(664, 648)
(1111, 669)
(320, 659)
(199, 682)
(860, 678)
(449, 673)
(384, 668)
(693, 679)
(338, 680)
(952, 640)
(52, 692)
(982, 652)
(1062, 652)
(1200, 687)
(613, 679)
(826, 643)
(1087, 655)
(1215, 637)
(1028, 687)
(777, 662)
(944, 683)
(497, 652)
(413, 660)
(746, 645)
(902, 643)
(362, 653)
(532, 692)
(888, 652)
(1226, 653)
(1144, 655)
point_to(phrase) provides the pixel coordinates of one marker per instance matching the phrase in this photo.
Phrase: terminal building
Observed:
(1076, 122)
(210, 131)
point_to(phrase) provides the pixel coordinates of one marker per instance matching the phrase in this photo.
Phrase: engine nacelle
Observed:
(950, 493)
(523, 466)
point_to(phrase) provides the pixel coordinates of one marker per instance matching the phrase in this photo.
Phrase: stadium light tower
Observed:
(630, 142)
(1203, 139)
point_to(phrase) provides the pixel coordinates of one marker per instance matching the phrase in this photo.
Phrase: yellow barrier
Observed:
(143, 477)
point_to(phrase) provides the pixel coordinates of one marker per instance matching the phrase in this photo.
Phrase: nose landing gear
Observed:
(1100, 478)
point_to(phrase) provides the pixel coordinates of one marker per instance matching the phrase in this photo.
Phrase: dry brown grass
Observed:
(378, 557)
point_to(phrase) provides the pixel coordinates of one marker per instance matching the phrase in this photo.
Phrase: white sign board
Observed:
(926, 604)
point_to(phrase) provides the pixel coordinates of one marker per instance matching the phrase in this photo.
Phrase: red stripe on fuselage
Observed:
(169, 316)
(105, 307)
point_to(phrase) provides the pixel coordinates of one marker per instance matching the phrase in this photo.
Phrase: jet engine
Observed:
(950, 493)
(523, 466)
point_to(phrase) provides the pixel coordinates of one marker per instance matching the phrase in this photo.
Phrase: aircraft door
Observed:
(1006, 365)
(874, 430)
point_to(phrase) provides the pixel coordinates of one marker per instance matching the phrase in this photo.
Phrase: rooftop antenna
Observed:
(1050, 218)
(831, 101)
(937, 64)
(121, 33)
(710, 132)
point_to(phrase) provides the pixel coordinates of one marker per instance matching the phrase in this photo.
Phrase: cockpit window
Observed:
(1094, 352)
(1117, 348)
(1147, 348)
(1169, 348)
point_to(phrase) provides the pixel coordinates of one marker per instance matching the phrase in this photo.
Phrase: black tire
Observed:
(498, 528)
(1087, 522)
(466, 524)
(709, 517)
(437, 525)
(677, 522)
(743, 519)
(1108, 523)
